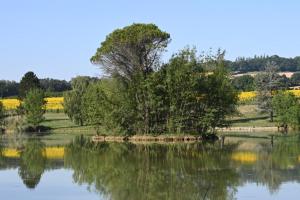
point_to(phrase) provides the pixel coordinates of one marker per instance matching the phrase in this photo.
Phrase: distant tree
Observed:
(258, 63)
(34, 107)
(28, 82)
(8, 88)
(267, 83)
(287, 109)
(295, 79)
(284, 82)
(243, 83)
(53, 86)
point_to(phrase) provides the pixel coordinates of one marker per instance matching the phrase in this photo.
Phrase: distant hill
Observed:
(244, 65)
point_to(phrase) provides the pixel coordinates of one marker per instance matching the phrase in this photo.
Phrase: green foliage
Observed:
(8, 88)
(258, 63)
(34, 107)
(73, 100)
(287, 109)
(186, 95)
(96, 106)
(243, 83)
(54, 86)
(181, 97)
(132, 51)
(220, 97)
(73, 107)
(131, 55)
(28, 82)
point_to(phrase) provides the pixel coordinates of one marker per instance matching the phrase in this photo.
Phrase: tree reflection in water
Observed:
(32, 163)
(163, 171)
(128, 171)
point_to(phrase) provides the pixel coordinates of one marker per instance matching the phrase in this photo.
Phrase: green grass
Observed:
(250, 116)
(60, 123)
(63, 130)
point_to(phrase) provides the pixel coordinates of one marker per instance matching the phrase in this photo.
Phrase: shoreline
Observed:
(249, 129)
(147, 138)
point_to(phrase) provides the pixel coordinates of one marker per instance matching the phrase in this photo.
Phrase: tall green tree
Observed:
(131, 51)
(97, 107)
(131, 54)
(34, 107)
(220, 98)
(28, 82)
(267, 83)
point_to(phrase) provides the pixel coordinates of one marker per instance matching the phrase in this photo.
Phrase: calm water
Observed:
(237, 170)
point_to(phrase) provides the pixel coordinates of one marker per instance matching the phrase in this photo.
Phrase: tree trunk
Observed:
(271, 116)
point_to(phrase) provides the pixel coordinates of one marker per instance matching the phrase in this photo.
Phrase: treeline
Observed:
(258, 63)
(142, 96)
(247, 82)
(52, 87)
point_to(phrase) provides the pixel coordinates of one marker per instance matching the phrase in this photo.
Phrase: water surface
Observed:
(236, 170)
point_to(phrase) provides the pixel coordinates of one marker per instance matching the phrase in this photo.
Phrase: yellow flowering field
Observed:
(295, 92)
(248, 96)
(10, 104)
(53, 103)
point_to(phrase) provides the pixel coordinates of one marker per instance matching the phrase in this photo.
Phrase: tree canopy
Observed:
(258, 63)
(34, 107)
(28, 82)
(189, 94)
(287, 109)
(133, 50)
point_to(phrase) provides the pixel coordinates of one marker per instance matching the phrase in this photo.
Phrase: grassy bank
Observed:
(63, 130)
(250, 116)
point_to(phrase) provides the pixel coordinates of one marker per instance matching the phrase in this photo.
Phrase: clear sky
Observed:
(56, 38)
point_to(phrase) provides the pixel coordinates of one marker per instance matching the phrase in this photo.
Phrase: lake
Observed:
(238, 169)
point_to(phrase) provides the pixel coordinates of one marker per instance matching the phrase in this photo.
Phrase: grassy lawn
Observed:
(250, 116)
(60, 123)
(63, 130)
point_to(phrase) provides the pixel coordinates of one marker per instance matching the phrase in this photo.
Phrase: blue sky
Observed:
(56, 38)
